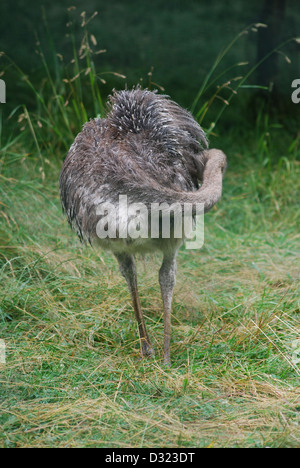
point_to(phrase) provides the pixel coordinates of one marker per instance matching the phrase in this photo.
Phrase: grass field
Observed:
(73, 377)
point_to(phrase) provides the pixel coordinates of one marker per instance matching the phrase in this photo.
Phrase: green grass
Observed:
(73, 377)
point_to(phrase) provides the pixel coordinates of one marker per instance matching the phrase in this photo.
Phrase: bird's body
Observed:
(152, 151)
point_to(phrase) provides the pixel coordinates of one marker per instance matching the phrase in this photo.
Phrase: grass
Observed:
(73, 377)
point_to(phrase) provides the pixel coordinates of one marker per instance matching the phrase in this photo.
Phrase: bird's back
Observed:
(146, 144)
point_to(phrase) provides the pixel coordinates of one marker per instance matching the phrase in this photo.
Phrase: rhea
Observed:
(152, 151)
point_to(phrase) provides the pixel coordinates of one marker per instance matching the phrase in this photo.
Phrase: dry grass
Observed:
(73, 377)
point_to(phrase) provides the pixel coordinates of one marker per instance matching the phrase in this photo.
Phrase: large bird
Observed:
(148, 152)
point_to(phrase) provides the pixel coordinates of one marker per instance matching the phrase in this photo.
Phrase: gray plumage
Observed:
(153, 151)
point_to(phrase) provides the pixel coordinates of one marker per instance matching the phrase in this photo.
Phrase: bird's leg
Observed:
(128, 270)
(167, 280)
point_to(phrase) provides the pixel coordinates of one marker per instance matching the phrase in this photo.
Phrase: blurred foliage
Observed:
(174, 41)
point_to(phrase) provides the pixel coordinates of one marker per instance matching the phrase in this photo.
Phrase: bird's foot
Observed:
(147, 350)
(167, 359)
(167, 362)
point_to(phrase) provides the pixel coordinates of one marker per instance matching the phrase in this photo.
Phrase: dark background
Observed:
(177, 40)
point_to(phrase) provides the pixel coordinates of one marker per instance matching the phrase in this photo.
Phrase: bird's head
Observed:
(215, 160)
